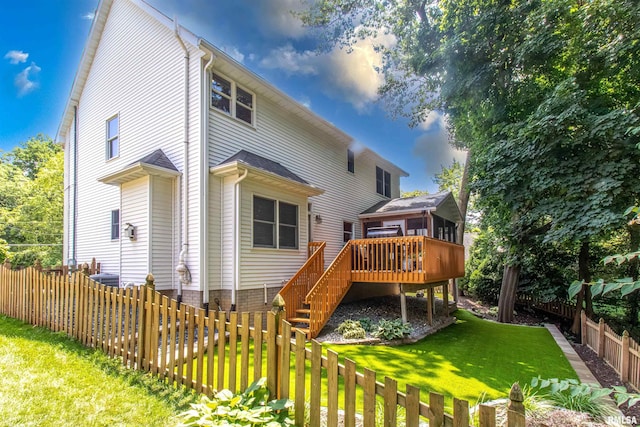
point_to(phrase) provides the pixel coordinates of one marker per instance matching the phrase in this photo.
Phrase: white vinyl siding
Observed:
(163, 233)
(134, 50)
(135, 253)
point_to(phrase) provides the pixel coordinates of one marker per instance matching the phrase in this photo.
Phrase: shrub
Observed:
(571, 394)
(251, 408)
(367, 324)
(351, 329)
(392, 329)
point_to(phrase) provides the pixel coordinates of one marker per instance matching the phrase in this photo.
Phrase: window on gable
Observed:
(232, 99)
(274, 221)
(115, 224)
(113, 137)
(383, 182)
(351, 165)
(347, 231)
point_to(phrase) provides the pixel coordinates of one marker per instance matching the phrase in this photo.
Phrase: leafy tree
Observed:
(414, 193)
(534, 90)
(29, 156)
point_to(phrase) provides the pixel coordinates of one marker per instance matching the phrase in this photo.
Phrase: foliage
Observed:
(351, 329)
(392, 329)
(367, 324)
(31, 202)
(589, 398)
(250, 408)
(414, 193)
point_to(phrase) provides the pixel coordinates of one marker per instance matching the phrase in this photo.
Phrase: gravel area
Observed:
(387, 308)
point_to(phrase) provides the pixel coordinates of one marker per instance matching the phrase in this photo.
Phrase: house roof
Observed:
(156, 164)
(266, 169)
(442, 204)
(223, 60)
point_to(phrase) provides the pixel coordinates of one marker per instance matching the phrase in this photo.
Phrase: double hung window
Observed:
(232, 99)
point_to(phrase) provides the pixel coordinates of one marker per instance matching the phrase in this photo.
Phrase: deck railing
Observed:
(410, 259)
(297, 288)
(329, 290)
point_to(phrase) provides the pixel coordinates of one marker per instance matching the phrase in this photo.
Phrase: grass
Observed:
(471, 359)
(47, 379)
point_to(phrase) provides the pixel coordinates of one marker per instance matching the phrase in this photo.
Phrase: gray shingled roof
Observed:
(265, 164)
(426, 202)
(157, 158)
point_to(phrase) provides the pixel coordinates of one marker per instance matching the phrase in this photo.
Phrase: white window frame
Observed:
(276, 224)
(115, 226)
(233, 99)
(110, 138)
(386, 183)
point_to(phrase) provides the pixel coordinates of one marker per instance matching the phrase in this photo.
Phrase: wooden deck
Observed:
(313, 294)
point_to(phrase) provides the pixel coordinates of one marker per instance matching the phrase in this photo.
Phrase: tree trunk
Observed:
(584, 273)
(507, 299)
(463, 198)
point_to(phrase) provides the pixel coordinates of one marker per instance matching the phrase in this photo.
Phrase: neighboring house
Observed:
(181, 162)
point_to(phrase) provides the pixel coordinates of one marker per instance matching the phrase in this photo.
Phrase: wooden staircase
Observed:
(312, 295)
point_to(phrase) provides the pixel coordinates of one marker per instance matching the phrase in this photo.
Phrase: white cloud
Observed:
(279, 15)
(16, 56)
(350, 76)
(89, 16)
(433, 146)
(25, 80)
(306, 101)
(234, 53)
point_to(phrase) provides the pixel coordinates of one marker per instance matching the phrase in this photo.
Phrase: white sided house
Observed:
(181, 162)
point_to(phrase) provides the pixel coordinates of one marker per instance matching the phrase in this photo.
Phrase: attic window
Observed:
(232, 99)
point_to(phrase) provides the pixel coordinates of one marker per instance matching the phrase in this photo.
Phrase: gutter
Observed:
(182, 269)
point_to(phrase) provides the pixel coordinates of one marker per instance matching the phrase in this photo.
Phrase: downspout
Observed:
(73, 262)
(181, 268)
(236, 238)
(204, 181)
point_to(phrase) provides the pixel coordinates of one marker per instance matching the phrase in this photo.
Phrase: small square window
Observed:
(115, 224)
(113, 137)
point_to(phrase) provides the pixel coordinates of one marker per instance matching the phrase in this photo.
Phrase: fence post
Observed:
(278, 310)
(85, 269)
(624, 354)
(37, 265)
(583, 327)
(515, 409)
(149, 282)
(7, 264)
(601, 338)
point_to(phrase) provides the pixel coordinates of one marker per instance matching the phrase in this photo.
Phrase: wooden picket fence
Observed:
(558, 308)
(621, 352)
(208, 351)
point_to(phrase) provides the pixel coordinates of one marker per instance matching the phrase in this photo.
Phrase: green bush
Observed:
(251, 408)
(367, 324)
(351, 329)
(392, 329)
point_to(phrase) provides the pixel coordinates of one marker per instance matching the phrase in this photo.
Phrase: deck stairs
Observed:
(313, 294)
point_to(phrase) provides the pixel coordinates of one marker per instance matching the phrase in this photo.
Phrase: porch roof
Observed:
(156, 163)
(441, 204)
(269, 170)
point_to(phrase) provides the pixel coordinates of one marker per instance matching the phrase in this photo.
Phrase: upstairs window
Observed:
(113, 137)
(288, 227)
(232, 99)
(115, 224)
(351, 165)
(383, 182)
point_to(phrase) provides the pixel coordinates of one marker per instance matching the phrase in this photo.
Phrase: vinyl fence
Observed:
(208, 351)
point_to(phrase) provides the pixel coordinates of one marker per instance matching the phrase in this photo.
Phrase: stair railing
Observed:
(329, 290)
(297, 288)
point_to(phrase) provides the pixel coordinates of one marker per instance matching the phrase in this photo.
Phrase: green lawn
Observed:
(47, 379)
(466, 360)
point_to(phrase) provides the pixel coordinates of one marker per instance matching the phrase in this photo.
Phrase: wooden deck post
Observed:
(403, 304)
(429, 296)
(445, 298)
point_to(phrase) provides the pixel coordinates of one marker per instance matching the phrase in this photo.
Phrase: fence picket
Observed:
(152, 333)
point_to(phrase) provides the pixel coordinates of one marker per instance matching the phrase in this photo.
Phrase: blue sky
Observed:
(41, 42)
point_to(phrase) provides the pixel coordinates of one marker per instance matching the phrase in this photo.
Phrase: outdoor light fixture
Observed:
(318, 219)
